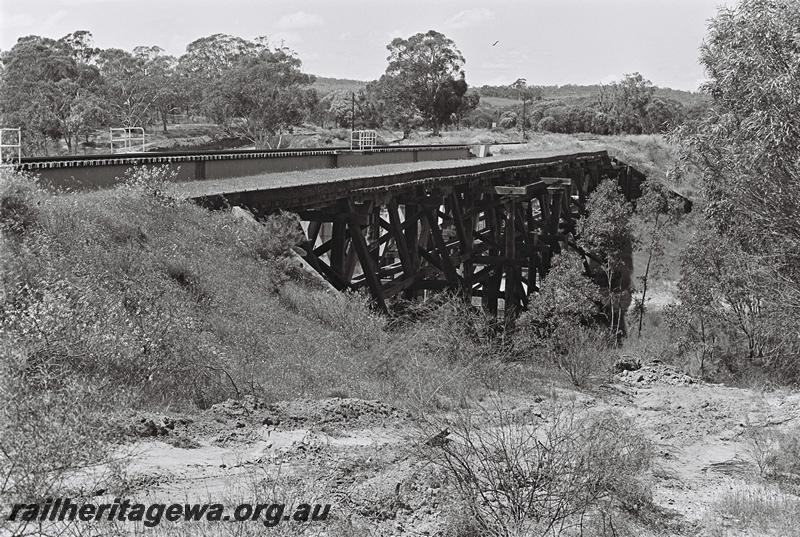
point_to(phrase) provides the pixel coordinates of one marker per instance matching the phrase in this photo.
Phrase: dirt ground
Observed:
(359, 455)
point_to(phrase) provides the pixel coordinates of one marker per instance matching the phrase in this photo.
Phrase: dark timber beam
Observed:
(490, 234)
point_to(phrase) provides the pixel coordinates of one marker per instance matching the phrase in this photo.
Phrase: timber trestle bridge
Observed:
(485, 229)
(396, 221)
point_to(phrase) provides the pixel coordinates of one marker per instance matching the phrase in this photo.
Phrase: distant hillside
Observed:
(502, 97)
(585, 93)
(326, 85)
(505, 96)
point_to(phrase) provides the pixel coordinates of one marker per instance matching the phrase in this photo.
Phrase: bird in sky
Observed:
(496, 42)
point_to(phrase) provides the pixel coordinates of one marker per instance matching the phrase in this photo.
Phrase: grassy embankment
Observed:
(130, 299)
(133, 300)
(178, 305)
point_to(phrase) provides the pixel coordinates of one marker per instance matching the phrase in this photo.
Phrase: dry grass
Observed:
(775, 453)
(558, 473)
(135, 299)
(756, 510)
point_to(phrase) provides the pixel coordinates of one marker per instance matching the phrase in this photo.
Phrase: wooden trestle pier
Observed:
(487, 230)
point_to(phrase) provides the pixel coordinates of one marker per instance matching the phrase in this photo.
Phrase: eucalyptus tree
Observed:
(49, 88)
(425, 75)
(744, 271)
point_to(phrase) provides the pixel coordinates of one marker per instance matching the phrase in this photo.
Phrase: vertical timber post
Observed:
(368, 266)
(555, 193)
(338, 248)
(411, 224)
(491, 288)
(511, 280)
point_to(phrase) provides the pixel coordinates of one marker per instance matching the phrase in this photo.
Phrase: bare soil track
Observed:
(359, 455)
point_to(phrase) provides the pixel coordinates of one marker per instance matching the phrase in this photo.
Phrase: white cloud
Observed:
(77, 3)
(609, 79)
(299, 20)
(18, 20)
(285, 39)
(395, 33)
(511, 61)
(470, 17)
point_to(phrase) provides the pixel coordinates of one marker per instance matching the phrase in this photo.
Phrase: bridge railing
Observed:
(363, 140)
(10, 150)
(124, 138)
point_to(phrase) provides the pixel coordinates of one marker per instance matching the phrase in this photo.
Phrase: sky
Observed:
(547, 42)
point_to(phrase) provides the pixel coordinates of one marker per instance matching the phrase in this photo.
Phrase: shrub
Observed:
(582, 353)
(542, 478)
(746, 150)
(443, 356)
(567, 299)
(607, 231)
(19, 199)
(346, 313)
(776, 454)
(727, 310)
(561, 328)
(756, 510)
(157, 183)
(277, 235)
(51, 425)
(51, 414)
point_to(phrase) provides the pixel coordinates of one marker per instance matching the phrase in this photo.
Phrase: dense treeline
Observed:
(61, 92)
(631, 106)
(64, 90)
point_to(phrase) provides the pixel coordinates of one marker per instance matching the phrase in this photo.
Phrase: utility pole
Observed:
(353, 112)
(523, 120)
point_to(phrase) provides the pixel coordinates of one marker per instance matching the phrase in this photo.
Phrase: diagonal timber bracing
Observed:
(487, 230)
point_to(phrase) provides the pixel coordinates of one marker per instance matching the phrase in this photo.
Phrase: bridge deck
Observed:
(307, 188)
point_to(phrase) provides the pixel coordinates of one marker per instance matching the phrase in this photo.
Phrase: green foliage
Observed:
(566, 300)
(507, 120)
(137, 85)
(746, 150)
(774, 452)
(629, 106)
(50, 425)
(627, 101)
(336, 106)
(67, 89)
(728, 313)
(607, 232)
(559, 328)
(260, 95)
(425, 75)
(517, 90)
(347, 313)
(658, 212)
(181, 306)
(157, 183)
(50, 89)
(397, 110)
(441, 354)
(172, 300)
(277, 235)
(18, 203)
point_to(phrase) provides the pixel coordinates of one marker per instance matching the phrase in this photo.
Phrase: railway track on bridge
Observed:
(90, 172)
(485, 227)
(43, 162)
(488, 228)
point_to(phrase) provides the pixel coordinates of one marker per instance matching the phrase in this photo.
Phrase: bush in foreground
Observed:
(562, 472)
